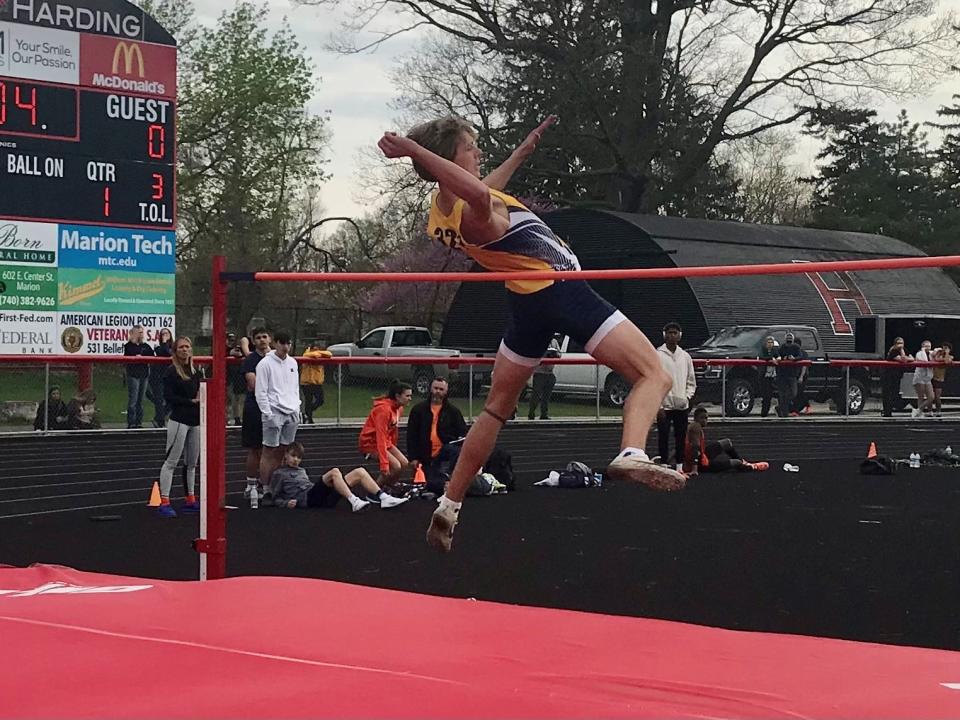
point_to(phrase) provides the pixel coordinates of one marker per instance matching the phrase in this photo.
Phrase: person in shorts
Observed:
(473, 215)
(251, 434)
(291, 487)
(277, 391)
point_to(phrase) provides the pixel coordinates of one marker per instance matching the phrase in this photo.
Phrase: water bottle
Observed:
(254, 498)
(598, 479)
(949, 450)
(914, 460)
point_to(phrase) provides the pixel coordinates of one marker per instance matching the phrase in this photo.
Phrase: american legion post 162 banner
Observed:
(87, 185)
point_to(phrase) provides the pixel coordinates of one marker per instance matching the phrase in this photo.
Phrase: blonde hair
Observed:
(441, 137)
(184, 370)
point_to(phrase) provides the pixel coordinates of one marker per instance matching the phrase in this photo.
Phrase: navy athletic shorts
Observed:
(569, 307)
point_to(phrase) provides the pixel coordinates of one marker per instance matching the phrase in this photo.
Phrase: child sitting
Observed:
(291, 488)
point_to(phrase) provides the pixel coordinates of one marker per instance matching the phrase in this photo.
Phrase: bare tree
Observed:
(621, 72)
(771, 187)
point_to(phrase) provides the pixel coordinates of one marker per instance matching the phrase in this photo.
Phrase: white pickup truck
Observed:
(584, 379)
(399, 341)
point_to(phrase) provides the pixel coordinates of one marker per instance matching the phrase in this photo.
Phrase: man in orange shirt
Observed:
(433, 425)
(380, 433)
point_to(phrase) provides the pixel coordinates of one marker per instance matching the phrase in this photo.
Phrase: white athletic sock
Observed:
(633, 451)
(448, 505)
(252, 482)
(354, 501)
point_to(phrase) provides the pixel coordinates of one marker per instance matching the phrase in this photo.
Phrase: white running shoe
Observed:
(389, 501)
(637, 467)
(440, 532)
(359, 505)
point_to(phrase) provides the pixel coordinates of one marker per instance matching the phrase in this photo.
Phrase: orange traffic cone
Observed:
(154, 496)
(872, 452)
(418, 476)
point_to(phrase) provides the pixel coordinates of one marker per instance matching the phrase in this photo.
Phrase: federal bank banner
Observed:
(111, 291)
(111, 248)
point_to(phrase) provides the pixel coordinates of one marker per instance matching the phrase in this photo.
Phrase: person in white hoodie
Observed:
(278, 396)
(675, 407)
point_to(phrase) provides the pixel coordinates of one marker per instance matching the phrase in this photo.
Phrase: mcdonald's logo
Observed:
(130, 52)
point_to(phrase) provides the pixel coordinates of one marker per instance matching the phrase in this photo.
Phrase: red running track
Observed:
(285, 647)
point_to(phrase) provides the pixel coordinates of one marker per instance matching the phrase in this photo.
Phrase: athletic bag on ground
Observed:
(500, 465)
(878, 465)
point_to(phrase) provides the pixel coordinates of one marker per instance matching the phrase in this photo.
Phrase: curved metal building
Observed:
(828, 301)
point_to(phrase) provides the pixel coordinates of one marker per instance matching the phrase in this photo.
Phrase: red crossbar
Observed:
(900, 263)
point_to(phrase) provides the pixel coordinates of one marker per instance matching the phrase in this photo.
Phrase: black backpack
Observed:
(500, 465)
(878, 465)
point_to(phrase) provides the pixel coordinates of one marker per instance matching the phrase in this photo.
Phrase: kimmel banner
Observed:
(106, 333)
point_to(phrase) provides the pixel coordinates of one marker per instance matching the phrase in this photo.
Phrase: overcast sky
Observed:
(357, 91)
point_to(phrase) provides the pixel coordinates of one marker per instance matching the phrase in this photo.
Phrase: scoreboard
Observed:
(87, 181)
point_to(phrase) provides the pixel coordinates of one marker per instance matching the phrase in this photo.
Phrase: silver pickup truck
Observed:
(584, 379)
(399, 341)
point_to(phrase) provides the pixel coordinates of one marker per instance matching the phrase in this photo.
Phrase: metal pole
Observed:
(204, 484)
(339, 391)
(46, 395)
(723, 391)
(470, 393)
(847, 394)
(215, 545)
(596, 387)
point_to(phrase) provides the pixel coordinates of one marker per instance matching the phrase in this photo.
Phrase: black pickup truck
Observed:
(741, 389)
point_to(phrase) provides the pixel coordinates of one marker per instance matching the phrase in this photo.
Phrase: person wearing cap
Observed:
(770, 352)
(787, 374)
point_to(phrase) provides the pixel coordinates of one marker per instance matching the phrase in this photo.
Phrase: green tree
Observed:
(648, 90)
(250, 154)
(876, 176)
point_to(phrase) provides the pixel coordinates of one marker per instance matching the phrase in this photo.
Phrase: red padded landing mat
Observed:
(75, 644)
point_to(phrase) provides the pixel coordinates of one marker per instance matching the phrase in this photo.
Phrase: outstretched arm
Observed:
(451, 176)
(499, 178)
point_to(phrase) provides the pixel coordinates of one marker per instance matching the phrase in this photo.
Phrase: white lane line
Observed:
(232, 651)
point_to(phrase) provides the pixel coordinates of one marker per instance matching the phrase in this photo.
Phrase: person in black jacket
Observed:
(138, 376)
(164, 348)
(181, 391)
(52, 413)
(431, 428)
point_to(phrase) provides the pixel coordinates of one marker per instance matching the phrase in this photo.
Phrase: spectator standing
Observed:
(801, 406)
(278, 397)
(943, 354)
(432, 427)
(312, 377)
(544, 379)
(890, 376)
(251, 435)
(771, 353)
(137, 375)
(181, 390)
(675, 406)
(923, 381)
(155, 392)
(52, 412)
(380, 432)
(787, 375)
(236, 385)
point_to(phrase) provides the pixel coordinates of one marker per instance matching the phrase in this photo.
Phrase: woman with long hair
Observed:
(380, 432)
(181, 391)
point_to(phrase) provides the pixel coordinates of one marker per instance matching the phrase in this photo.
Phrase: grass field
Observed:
(27, 384)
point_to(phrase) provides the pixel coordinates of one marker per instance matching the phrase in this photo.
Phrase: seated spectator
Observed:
(52, 413)
(82, 411)
(291, 487)
(715, 457)
(380, 434)
(432, 429)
